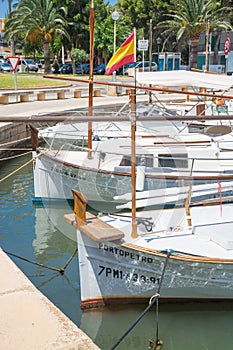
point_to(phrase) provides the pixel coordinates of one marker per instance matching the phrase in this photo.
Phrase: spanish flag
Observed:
(125, 54)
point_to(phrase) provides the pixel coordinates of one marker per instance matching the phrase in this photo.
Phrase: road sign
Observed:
(14, 61)
(227, 45)
(143, 45)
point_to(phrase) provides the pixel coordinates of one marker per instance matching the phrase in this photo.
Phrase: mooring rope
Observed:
(21, 167)
(60, 270)
(153, 299)
(16, 156)
(15, 171)
(15, 149)
(15, 141)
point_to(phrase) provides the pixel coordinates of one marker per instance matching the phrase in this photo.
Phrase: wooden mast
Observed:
(90, 100)
(134, 233)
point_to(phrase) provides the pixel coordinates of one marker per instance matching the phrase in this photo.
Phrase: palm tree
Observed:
(38, 20)
(189, 18)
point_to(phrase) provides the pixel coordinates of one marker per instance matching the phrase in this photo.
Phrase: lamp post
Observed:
(158, 40)
(207, 46)
(115, 17)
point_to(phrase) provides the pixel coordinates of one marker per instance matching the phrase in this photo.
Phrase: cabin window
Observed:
(146, 159)
(173, 160)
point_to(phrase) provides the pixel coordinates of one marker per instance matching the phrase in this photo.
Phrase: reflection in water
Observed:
(42, 235)
(50, 228)
(181, 326)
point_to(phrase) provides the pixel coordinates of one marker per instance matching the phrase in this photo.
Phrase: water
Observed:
(41, 235)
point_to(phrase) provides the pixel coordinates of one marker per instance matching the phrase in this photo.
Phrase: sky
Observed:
(4, 7)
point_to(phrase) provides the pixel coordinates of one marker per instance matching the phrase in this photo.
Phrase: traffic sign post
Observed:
(143, 46)
(227, 46)
(14, 61)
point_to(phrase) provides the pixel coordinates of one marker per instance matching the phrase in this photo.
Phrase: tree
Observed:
(78, 56)
(140, 14)
(38, 19)
(189, 18)
(104, 31)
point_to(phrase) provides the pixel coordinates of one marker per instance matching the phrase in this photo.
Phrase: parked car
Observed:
(66, 68)
(40, 63)
(31, 66)
(100, 69)
(124, 69)
(130, 65)
(83, 68)
(5, 67)
(146, 65)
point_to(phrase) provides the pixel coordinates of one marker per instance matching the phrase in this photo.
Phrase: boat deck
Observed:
(209, 236)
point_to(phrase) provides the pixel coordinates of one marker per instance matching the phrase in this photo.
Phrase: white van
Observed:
(22, 65)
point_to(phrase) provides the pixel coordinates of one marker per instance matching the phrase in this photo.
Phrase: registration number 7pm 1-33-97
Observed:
(130, 276)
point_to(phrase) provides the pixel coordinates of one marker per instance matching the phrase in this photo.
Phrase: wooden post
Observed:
(24, 98)
(40, 96)
(187, 96)
(90, 98)
(4, 99)
(203, 90)
(61, 95)
(34, 137)
(80, 203)
(97, 93)
(187, 208)
(77, 93)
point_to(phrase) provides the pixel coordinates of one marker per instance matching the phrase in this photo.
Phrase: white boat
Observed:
(162, 161)
(186, 253)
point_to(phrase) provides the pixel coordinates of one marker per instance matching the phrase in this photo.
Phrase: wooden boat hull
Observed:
(113, 273)
(54, 179)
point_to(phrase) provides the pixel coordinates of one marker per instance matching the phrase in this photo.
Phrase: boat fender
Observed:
(140, 178)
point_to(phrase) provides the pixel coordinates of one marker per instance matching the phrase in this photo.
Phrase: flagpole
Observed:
(115, 17)
(90, 98)
(125, 54)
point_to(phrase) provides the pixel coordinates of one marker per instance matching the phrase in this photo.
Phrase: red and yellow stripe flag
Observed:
(125, 54)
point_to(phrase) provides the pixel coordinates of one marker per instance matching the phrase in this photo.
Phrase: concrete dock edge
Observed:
(29, 320)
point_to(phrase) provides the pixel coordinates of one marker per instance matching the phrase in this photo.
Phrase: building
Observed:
(222, 58)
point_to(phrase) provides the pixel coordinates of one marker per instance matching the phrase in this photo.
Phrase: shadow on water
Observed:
(42, 235)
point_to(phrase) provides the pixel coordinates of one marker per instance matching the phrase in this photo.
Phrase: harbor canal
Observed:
(40, 234)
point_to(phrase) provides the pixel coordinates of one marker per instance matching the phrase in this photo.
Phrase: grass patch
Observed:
(28, 81)
(36, 80)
